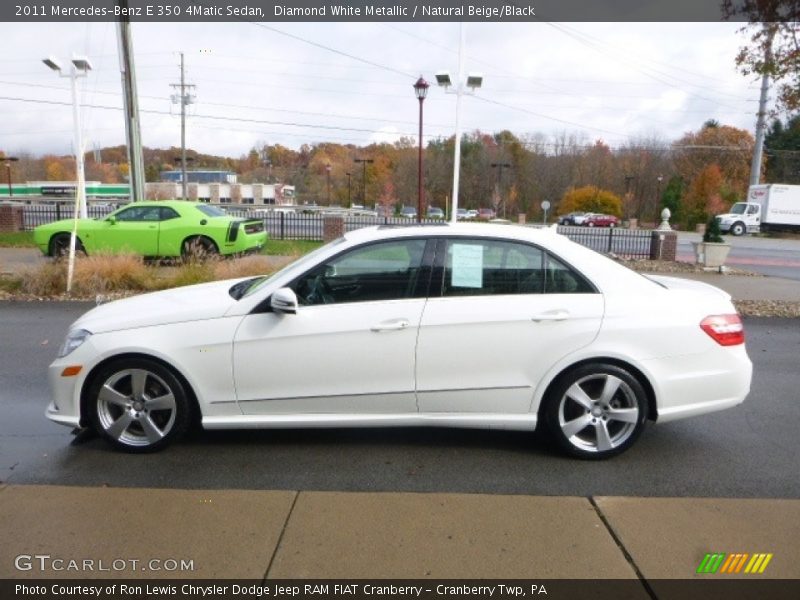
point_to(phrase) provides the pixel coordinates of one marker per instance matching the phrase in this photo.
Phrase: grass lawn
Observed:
(289, 247)
(17, 239)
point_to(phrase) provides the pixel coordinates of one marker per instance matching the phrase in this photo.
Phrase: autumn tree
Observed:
(703, 197)
(727, 147)
(590, 199)
(773, 46)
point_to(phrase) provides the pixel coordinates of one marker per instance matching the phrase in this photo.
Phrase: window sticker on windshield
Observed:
(467, 268)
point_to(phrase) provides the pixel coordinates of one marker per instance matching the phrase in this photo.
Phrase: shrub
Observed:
(713, 234)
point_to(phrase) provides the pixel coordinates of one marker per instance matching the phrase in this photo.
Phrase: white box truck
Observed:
(771, 206)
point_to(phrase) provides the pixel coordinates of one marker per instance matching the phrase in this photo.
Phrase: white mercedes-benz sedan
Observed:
(466, 325)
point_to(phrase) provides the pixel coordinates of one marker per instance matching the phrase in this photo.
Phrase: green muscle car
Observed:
(156, 229)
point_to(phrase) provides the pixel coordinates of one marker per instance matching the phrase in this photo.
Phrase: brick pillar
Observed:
(663, 245)
(11, 218)
(332, 228)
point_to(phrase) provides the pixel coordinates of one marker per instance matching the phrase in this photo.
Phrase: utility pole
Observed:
(755, 166)
(131, 106)
(183, 98)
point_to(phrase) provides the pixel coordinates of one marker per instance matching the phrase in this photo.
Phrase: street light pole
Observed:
(328, 171)
(364, 162)
(660, 178)
(421, 90)
(9, 160)
(80, 68)
(349, 195)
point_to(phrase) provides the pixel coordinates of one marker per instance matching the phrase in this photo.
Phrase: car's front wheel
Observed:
(138, 405)
(596, 411)
(738, 228)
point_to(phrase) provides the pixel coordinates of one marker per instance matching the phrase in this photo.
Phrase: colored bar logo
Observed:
(741, 562)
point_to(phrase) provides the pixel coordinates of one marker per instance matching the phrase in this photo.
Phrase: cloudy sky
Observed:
(303, 83)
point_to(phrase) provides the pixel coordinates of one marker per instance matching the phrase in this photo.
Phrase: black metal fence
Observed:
(284, 225)
(627, 243)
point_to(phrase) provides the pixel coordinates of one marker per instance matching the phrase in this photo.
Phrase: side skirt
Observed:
(521, 422)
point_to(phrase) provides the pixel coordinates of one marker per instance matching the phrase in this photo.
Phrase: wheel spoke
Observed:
(609, 389)
(626, 415)
(165, 402)
(112, 396)
(603, 438)
(570, 428)
(576, 393)
(138, 379)
(152, 432)
(119, 426)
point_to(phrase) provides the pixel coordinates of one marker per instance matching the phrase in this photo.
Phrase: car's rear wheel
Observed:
(590, 224)
(138, 405)
(198, 248)
(59, 245)
(596, 411)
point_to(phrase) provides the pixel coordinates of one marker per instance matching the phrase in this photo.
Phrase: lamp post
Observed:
(420, 90)
(659, 179)
(364, 161)
(500, 167)
(328, 172)
(80, 68)
(9, 160)
(473, 82)
(349, 195)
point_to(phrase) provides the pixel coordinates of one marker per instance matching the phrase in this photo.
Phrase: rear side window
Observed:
(492, 267)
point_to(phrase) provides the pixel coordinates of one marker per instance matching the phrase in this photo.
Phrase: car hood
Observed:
(678, 283)
(177, 305)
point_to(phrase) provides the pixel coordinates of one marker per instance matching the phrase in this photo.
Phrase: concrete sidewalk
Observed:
(288, 534)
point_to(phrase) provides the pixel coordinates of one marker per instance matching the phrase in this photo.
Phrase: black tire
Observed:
(59, 245)
(590, 224)
(198, 248)
(738, 229)
(138, 405)
(596, 411)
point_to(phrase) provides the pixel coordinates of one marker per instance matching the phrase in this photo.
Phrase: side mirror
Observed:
(284, 300)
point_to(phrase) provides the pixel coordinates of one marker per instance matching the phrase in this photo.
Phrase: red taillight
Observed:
(726, 330)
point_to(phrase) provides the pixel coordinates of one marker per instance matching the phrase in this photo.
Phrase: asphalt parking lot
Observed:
(746, 452)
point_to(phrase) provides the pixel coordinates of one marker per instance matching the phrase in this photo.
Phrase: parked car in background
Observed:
(462, 214)
(486, 213)
(434, 212)
(167, 228)
(580, 218)
(472, 214)
(595, 220)
(463, 325)
(409, 212)
(572, 218)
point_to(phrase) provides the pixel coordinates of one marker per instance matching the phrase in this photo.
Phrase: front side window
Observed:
(493, 267)
(139, 213)
(380, 271)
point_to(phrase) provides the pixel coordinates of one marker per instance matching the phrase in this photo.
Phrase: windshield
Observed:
(211, 211)
(259, 282)
(738, 208)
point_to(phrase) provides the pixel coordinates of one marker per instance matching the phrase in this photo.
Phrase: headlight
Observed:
(74, 339)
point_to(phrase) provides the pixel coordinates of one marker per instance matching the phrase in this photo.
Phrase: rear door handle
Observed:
(551, 315)
(392, 325)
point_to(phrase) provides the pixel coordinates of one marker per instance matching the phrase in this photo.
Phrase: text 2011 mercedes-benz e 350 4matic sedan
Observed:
(459, 325)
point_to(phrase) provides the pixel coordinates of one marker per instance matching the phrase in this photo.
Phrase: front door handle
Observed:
(551, 315)
(392, 325)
